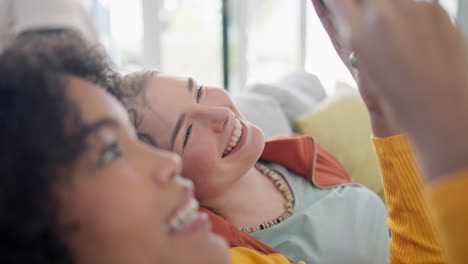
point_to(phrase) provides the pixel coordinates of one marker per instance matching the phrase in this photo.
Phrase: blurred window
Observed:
(191, 40)
(266, 39)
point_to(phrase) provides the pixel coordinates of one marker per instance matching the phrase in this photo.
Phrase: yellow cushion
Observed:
(341, 125)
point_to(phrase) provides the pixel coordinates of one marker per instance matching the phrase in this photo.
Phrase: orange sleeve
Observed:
(414, 238)
(449, 204)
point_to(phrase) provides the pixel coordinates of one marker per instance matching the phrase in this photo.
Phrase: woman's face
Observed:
(125, 201)
(201, 123)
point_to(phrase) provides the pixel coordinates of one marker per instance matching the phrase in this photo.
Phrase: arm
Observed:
(425, 89)
(448, 203)
(414, 238)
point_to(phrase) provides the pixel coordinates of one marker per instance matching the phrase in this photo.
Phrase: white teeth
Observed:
(184, 216)
(234, 138)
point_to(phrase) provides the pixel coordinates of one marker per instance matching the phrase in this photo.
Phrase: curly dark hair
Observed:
(40, 133)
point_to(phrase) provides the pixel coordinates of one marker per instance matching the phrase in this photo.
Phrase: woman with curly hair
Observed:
(76, 184)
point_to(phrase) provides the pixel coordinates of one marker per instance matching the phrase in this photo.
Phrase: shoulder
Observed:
(360, 198)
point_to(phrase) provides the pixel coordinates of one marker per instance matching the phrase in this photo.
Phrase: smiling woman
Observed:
(82, 155)
(179, 130)
(222, 153)
(157, 198)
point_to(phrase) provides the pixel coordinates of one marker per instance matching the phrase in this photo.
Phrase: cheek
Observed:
(200, 164)
(110, 207)
(199, 167)
(97, 212)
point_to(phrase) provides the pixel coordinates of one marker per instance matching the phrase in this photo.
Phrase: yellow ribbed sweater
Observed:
(414, 237)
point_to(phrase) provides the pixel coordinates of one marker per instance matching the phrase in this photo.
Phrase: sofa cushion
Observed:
(341, 125)
(264, 112)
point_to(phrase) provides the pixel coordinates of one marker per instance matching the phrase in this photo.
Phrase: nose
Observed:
(165, 166)
(212, 116)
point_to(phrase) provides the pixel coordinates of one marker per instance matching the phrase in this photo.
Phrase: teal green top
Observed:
(344, 224)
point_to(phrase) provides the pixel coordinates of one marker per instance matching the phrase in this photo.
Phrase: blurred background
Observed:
(242, 45)
(226, 43)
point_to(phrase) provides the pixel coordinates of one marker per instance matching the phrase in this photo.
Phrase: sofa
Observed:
(298, 104)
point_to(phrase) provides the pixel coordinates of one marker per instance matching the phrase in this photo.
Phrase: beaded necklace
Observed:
(284, 189)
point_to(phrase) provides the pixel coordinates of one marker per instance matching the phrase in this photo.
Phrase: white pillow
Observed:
(265, 112)
(297, 93)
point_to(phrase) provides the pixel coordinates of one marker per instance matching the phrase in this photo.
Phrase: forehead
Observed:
(162, 87)
(94, 102)
(165, 99)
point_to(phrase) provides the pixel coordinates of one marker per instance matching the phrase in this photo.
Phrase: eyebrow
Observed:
(95, 127)
(190, 84)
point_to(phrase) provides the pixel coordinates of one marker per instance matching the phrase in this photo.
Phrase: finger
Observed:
(345, 10)
(325, 18)
(320, 8)
(329, 25)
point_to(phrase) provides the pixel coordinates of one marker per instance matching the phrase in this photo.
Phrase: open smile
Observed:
(237, 138)
(186, 217)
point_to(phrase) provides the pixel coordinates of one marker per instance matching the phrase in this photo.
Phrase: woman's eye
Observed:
(187, 135)
(199, 93)
(111, 152)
